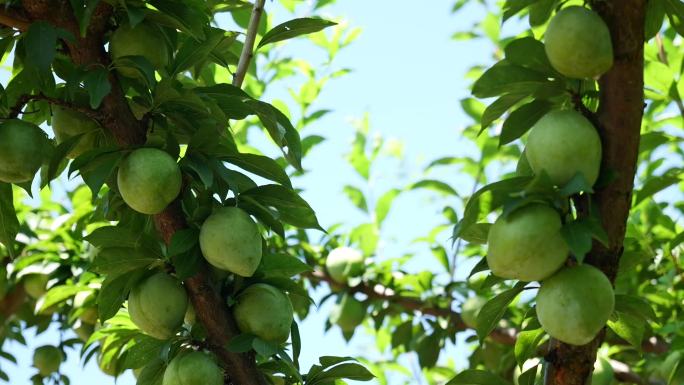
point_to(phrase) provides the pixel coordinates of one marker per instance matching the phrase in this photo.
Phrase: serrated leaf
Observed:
(260, 165)
(240, 343)
(294, 28)
(347, 370)
(629, 327)
(492, 312)
(383, 205)
(495, 110)
(476, 233)
(506, 78)
(119, 260)
(636, 306)
(182, 241)
(356, 196)
(114, 292)
(141, 350)
(530, 53)
(96, 82)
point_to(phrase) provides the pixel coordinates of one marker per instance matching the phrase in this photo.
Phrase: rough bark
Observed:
(116, 115)
(619, 116)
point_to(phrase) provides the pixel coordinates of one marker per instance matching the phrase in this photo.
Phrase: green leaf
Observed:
(675, 12)
(120, 236)
(294, 28)
(241, 343)
(434, 185)
(356, 196)
(476, 233)
(576, 185)
(141, 350)
(656, 184)
(264, 348)
(477, 377)
(152, 373)
(526, 345)
(541, 11)
(280, 129)
(115, 291)
(183, 241)
(83, 9)
(188, 16)
(348, 370)
(40, 42)
(120, 260)
(428, 349)
(260, 165)
(402, 335)
(96, 82)
(192, 51)
(636, 306)
(366, 236)
(291, 207)
(492, 312)
(529, 377)
(578, 235)
(530, 53)
(282, 265)
(56, 295)
(9, 224)
(498, 108)
(655, 14)
(522, 119)
(384, 204)
(629, 327)
(506, 78)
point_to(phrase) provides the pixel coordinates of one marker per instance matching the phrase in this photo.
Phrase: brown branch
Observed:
(620, 113)
(13, 20)
(248, 48)
(24, 99)
(11, 303)
(117, 116)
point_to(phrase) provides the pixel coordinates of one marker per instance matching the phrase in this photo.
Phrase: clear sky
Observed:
(409, 76)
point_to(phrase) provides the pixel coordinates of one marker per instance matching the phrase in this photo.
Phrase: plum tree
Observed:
(575, 303)
(145, 39)
(348, 314)
(527, 245)
(22, 148)
(230, 240)
(194, 368)
(563, 143)
(578, 43)
(47, 359)
(343, 263)
(149, 179)
(157, 305)
(471, 308)
(264, 311)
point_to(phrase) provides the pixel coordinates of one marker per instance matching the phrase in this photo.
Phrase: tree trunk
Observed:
(619, 117)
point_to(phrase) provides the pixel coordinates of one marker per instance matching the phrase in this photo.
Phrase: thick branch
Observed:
(620, 113)
(11, 303)
(248, 49)
(13, 20)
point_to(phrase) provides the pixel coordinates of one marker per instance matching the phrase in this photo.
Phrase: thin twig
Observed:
(13, 21)
(16, 110)
(248, 48)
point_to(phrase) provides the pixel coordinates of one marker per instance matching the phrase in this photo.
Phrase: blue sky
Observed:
(408, 75)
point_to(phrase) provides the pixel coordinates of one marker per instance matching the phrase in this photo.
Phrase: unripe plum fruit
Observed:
(67, 123)
(35, 285)
(22, 145)
(142, 40)
(574, 304)
(264, 311)
(348, 314)
(157, 306)
(230, 240)
(578, 44)
(470, 310)
(149, 179)
(527, 245)
(563, 143)
(195, 368)
(343, 263)
(47, 359)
